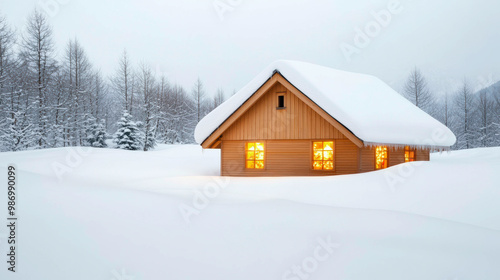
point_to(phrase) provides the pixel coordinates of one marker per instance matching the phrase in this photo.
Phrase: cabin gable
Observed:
(266, 120)
(276, 86)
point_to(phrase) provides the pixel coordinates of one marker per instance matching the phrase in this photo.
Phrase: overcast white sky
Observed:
(185, 39)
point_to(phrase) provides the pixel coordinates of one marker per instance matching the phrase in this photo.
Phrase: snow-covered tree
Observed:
(150, 140)
(16, 136)
(8, 100)
(199, 99)
(80, 81)
(48, 102)
(96, 134)
(496, 118)
(486, 129)
(417, 91)
(128, 136)
(38, 56)
(217, 100)
(7, 41)
(149, 91)
(172, 137)
(123, 82)
(464, 112)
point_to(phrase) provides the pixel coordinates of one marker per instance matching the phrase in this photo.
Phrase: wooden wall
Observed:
(346, 157)
(288, 135)
(294, 158)
(298, 121)
(423, 155)
(282, 158)
(396, 156)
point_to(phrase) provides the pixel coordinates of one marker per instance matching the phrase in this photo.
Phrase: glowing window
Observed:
(323, 155)
(381, 157)
(254, 154)
(409, 154)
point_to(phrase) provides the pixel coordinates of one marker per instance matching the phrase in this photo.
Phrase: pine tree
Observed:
(128, 136)
(96, 134)
(17, 135)
(172, 137)
(150, 142)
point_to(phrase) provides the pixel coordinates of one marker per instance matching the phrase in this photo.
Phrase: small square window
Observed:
(281, 101)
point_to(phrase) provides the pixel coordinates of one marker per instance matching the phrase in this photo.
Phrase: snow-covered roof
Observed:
(364, 104)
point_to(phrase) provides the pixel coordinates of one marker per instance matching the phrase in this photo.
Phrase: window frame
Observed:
(386, 159)
(311, 165)
(278, 101)
(254, 160)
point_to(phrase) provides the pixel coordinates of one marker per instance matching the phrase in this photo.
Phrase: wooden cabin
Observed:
(289, 121)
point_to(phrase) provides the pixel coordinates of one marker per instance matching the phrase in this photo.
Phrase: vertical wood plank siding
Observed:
(297, 121)
(288, 135)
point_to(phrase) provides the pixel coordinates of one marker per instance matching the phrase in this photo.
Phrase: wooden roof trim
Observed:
(217, 144)
(213, 140)
(358, 142)
(210, 142)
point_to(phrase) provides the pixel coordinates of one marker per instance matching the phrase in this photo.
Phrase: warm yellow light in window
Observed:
(259, 146)
(259, 155)
(328, 146)
(254, 155)
(318, 155)
(409, 154)
(318, 145)
(318, 165)
(328, 165)
(328, 155)
(323, 155)
(250, 155)
(380, 157)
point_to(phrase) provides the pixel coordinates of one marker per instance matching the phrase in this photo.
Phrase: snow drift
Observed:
(116, 215)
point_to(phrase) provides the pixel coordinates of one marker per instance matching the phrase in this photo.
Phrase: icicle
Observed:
(431, 148)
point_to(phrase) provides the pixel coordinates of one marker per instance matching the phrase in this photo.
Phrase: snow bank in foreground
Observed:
(116, 214)
(367, 106)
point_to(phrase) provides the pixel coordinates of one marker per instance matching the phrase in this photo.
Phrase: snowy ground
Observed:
(112, 214)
